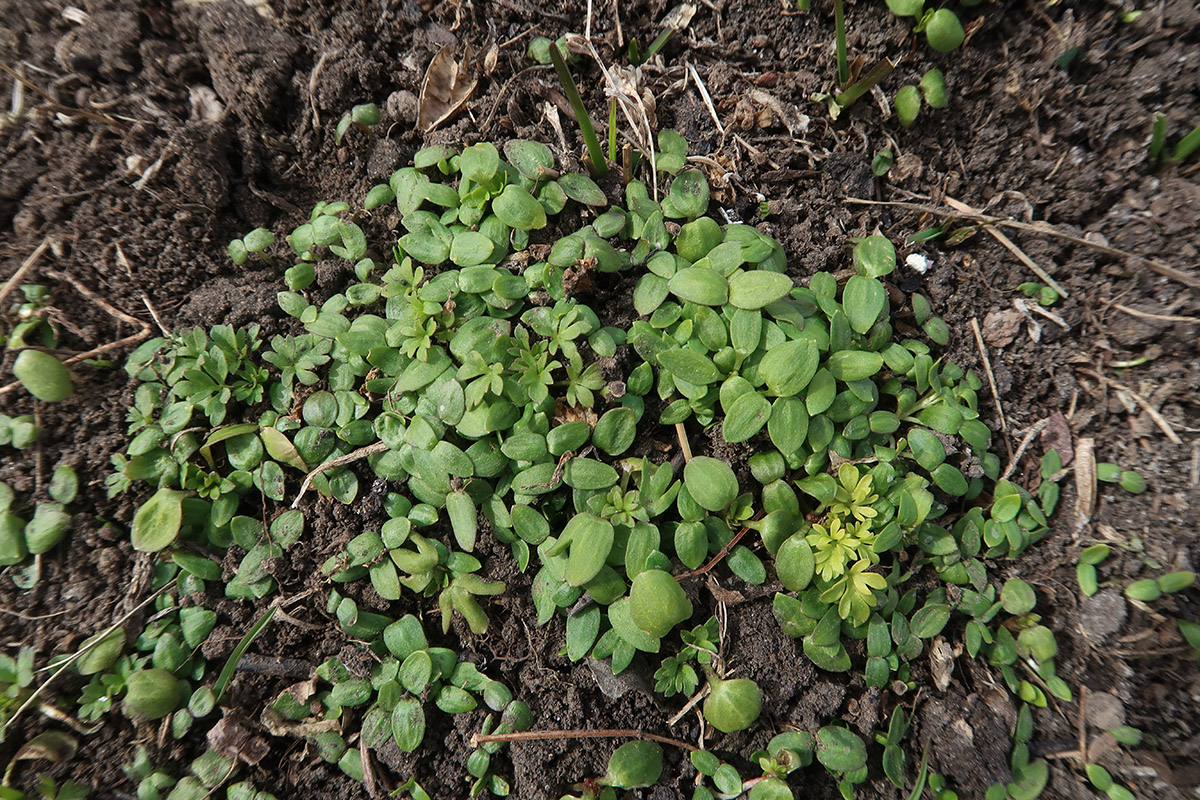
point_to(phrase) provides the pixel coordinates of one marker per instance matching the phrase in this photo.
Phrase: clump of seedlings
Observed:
(465, 376)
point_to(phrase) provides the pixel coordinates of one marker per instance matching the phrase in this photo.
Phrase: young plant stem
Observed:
(839, 24)
(608, 733)
(599, 165)
(612, 129)
(865, 84)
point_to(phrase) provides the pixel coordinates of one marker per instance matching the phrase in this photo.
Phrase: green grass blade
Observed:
(599, 165)
(612, 129)
(227, 673)
(865, 84)
(1187, 145)
(839, 23)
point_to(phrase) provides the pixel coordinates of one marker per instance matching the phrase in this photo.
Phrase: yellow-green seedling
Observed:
(657, 602)
(1045, 295)
(1129, 480)
(361, 116)
(732, 704)
(43, 376)
(34, 326)
(1085, 571)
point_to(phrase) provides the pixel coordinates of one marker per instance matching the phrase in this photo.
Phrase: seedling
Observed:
(1045, 295)
(360, 116)
(488, 418)
(596, 156)
(1183, 148)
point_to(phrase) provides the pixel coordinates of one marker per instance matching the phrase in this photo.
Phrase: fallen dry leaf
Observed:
(447, 85)
(1085, 481)
(233, 738)
(1057, 436)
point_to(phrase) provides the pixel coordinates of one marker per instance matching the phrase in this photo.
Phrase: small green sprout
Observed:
(253, 243)
(595, 155)
(361, 116)
(1183, 148)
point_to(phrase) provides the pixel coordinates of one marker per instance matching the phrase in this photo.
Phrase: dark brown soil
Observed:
(169, 128)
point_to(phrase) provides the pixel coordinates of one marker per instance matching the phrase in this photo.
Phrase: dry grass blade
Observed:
(1045, 228)
(26, 265)
(1158, 418)
(448, 84)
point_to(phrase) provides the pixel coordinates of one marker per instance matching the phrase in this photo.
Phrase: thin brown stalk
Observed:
(607, 733)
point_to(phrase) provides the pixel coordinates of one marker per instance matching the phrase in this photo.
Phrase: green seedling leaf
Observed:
(588, 474)
(688, 365)
(156, 524)
(944, 31)
(470, 248)
(518, 209)
(590, 540)
(582, 189)
(479, 162)
(928, 450)
(699, 285)
(906, 8)
(882, 162)
(875, 256)
(689, 194)
(633, 765)
(615, 431)
(64, 485)
(908, 105)
(657, 603)
(47, 528)
(794, 563)
(732, 705)
(101, 651)
(408, 724)
(532, 159)
(929, 621)
(1017, 597)
(853, 365)
(1171, 582)
(933, 88)
(711, 483)
(43, 376)
(788, 368)
(839, 750)
(464, 519)
(758, 288)
(746, 417)
(864, 300)
(151, 694)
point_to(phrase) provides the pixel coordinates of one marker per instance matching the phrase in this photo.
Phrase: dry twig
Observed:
(1158, 418)
(1045, 228)
(607, 733)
